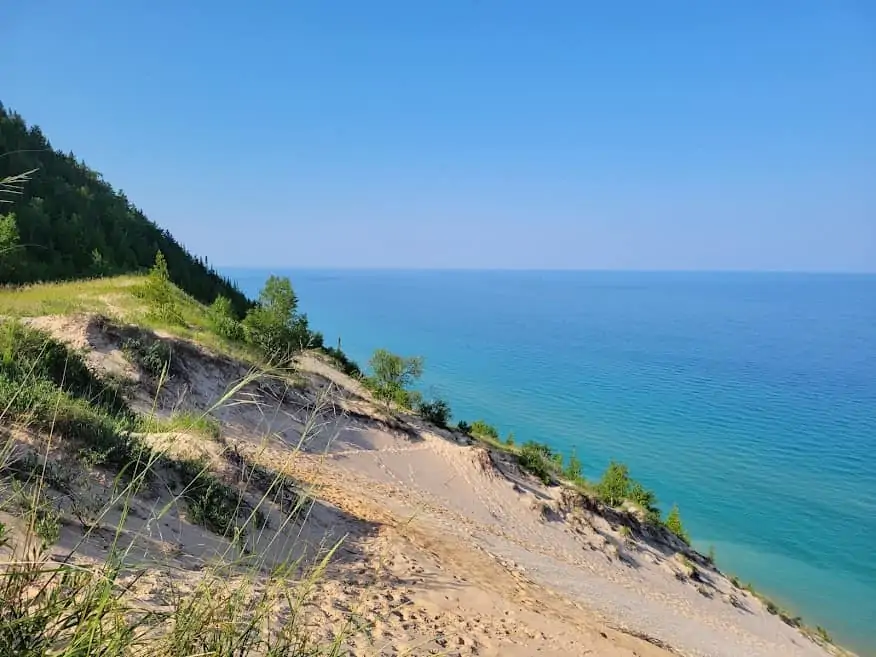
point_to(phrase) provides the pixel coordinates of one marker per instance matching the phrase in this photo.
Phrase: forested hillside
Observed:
(69, 223)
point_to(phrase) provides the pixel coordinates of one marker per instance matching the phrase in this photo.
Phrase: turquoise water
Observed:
(749, 399)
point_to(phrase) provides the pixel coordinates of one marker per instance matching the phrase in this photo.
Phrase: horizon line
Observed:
(842, 272)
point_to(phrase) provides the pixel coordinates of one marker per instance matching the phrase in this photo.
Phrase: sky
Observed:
(470, 134)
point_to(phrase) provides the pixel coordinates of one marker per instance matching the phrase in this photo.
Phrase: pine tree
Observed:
(673, 524)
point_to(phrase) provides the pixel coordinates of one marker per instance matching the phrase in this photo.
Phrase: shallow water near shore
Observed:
(749, 399)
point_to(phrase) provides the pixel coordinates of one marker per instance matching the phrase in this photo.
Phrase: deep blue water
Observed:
(748, 399)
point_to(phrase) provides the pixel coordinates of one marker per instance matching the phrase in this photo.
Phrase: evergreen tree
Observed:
(70, 223)
(673, 524)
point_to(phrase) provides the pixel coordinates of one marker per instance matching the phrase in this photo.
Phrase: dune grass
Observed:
(118, 298)
(74, 606)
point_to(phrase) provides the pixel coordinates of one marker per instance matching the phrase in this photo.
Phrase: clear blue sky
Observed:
(484, 133)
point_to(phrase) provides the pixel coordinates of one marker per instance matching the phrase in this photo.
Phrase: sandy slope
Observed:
(449, 549)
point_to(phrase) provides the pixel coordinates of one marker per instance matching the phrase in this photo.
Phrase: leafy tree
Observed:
(614, 487)
(392, 376)
(673, 523)
(436, 411)
(64, 212)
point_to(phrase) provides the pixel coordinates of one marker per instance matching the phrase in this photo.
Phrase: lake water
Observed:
(748, 399)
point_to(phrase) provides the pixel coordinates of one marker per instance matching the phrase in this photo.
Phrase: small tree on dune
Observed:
(392, 377)
(673, 523)
(614, 487)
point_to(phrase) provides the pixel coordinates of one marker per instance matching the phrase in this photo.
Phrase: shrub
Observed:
(481, 429)
(673, 523)
(646, 499)
(347, 365)
(509, 439)
(436, 411)
(464, 427)
(391, 377)
(274, 325)
(534, 460)
(614, 487)
(159, 293)
(223, 320)
(212, 503)
(574, 470)
(823, 634)
(153, 356)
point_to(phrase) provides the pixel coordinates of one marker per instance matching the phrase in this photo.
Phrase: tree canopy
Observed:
(67, 222)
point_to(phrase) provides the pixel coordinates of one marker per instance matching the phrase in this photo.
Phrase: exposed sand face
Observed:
(448, 549)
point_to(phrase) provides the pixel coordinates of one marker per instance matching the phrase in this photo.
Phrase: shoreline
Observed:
(448, 360)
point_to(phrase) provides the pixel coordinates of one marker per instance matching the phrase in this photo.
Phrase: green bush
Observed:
(160, 295)
(274, 325)
(533, 458)
(614, 487)
(436, 411)
(481, 429)
(464, 427)
(347, 365)
(673, 523)
(153, 356)
(211, 503)
(223, 320)
(574, 470)
(646, 499)
(392, 376)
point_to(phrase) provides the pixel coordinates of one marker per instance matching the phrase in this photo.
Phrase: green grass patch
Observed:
(182, 422)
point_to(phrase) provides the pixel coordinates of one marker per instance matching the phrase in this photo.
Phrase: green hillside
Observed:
(68, 223)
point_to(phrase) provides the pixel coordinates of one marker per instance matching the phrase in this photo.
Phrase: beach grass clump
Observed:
(45, 385)
(82, 606)
(183, 422)
(211, 502)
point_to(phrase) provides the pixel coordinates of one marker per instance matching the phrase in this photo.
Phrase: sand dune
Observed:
(447, 547)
